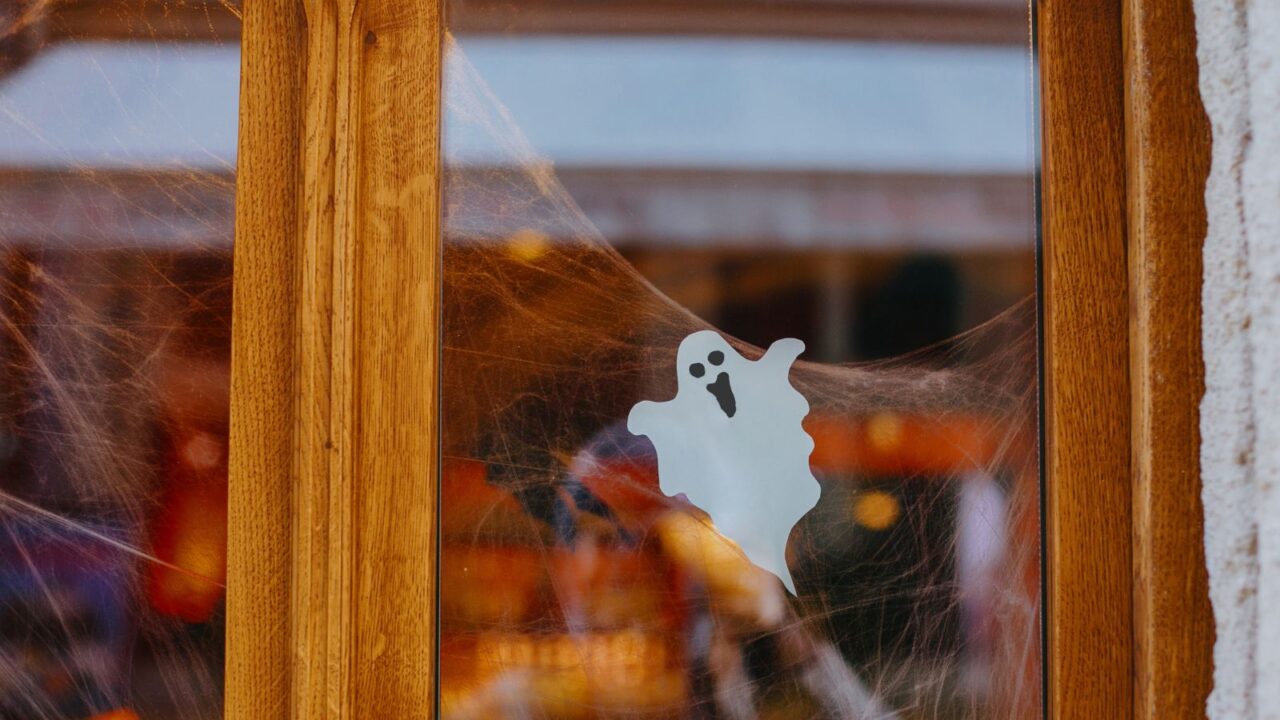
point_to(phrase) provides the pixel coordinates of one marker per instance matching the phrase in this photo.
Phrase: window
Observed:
(441, 447)
(625, 206)
(117, 149)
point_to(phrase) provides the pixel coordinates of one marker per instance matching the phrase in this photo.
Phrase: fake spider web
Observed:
(116, 205)
(570, 587)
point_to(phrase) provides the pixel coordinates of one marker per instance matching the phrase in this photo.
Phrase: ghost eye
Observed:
(716, 357)
(697, 370)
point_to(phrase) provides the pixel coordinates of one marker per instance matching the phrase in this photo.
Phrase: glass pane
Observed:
(740, 361)
(117, 157)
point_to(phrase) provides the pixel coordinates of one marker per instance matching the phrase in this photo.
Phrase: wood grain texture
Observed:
(1168, 145)
(336, 323)
(321, 637)
(392, 172)
(263, 355)
(1086, 413)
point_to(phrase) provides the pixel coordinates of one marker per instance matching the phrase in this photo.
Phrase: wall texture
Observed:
(1239, 52)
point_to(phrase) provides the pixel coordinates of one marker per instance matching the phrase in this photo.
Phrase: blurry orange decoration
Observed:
(629, 488)
(116, 715)
(190, 533)
(888, 444)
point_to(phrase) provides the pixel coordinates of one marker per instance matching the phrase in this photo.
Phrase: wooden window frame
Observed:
(1125, 153)
(331, 581)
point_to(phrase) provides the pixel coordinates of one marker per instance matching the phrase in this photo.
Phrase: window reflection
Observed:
(619, 179)
(117, 142)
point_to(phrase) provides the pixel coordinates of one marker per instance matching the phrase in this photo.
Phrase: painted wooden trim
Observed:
(331, 609)
(1086, 361)
(1167, 148)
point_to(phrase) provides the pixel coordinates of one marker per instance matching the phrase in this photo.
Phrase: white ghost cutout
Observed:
(732, 442)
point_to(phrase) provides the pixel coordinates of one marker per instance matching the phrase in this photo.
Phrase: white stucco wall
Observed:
(1239, 52)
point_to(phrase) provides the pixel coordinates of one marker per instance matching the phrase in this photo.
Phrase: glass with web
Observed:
(622, 179)
(117, 157)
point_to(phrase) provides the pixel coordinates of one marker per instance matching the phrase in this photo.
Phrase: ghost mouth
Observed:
(724, 394)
